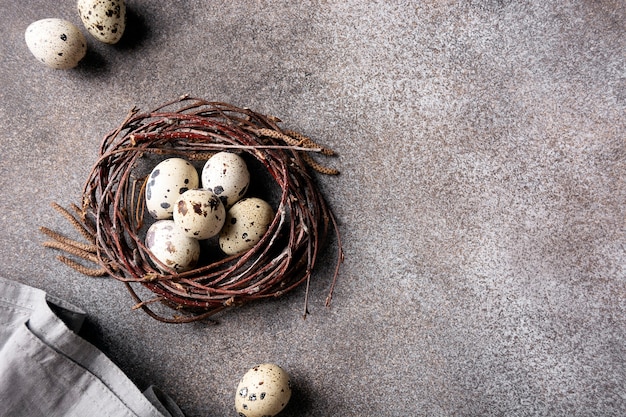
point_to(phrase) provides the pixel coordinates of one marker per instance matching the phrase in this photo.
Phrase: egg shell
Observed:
(56, 42)
(200, 214)
(264, 390)
(167, 181)
(104, 20)
(172, 247)
(246, 223)
(226, 175)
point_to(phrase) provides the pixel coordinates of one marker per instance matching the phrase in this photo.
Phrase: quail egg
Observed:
(199, 214)
(56, 42)
(264, 390)
(226, 175)
(172, 247)
(246, 223)
(167, 181)
(105, 20)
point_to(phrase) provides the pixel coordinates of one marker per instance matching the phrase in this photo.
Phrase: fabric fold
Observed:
(46, 369)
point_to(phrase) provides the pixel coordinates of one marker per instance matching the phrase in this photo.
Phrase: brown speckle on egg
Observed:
(182, 207)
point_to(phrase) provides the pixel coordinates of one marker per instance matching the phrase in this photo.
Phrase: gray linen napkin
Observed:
(47, 370)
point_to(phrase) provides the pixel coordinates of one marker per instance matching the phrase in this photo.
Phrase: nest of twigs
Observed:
(113, 220)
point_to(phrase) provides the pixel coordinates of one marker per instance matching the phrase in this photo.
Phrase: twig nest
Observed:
(271, 240)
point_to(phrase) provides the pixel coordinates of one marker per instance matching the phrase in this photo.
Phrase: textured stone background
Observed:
(482, 200)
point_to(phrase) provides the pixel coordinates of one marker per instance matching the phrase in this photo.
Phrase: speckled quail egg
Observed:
(104, 19)
(167, 181)
(264, 390)
(199, 214)
(56, 42)
(172, 247)
(226, 175)
(246, 223)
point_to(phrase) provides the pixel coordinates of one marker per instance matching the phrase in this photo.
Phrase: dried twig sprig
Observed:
(111, 217)
(84, 251)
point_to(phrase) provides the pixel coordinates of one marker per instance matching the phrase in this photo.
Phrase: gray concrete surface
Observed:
(481, 201)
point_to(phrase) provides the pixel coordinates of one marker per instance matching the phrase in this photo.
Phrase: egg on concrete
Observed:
(264, 390)
(199, 214)
(56, 42)
(167, 181)
(171, 247)
(105, 20)
(246, 223)
(226, 175)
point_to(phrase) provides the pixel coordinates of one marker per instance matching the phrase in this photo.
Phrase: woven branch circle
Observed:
(113, 207)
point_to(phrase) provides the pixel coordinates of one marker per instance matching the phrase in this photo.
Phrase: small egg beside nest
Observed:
(56, 42)
(105, 20)
(264, 390)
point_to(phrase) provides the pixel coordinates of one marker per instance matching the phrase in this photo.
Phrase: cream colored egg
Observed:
(246, 223)
(170, 246)
(56, 42)
(104, 20)
(226, 175)
(199, 214)
(264, 390)
(167, 181)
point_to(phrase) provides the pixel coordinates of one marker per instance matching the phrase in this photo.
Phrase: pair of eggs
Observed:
(187, 213)
(59, 44)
